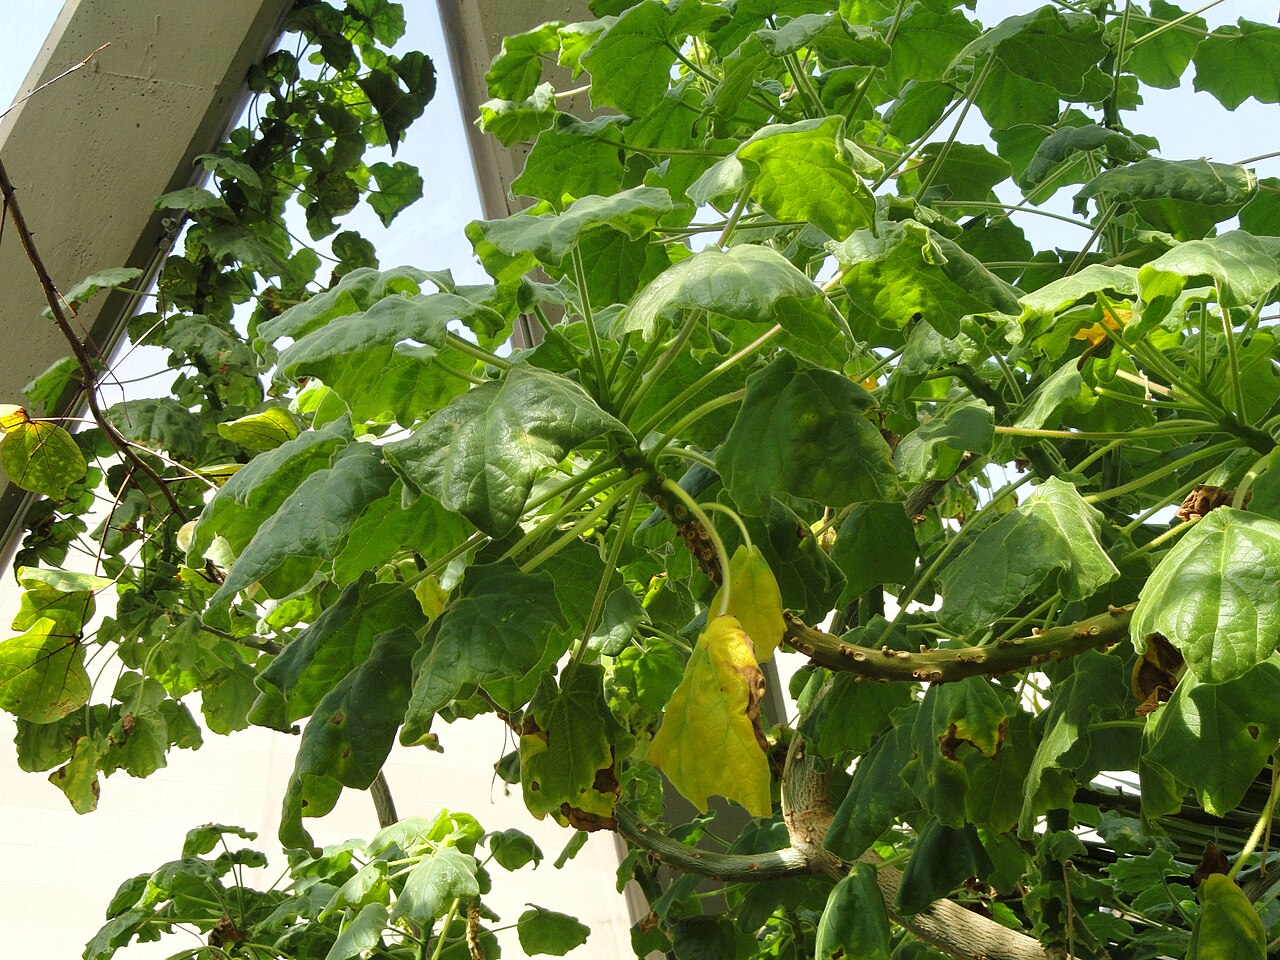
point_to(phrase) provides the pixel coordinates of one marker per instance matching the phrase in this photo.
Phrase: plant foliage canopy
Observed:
(806, 390)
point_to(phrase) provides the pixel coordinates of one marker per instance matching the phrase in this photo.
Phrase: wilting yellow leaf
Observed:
(754, 600)
(710, 741)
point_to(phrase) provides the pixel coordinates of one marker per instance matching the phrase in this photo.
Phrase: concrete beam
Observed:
(90, 153)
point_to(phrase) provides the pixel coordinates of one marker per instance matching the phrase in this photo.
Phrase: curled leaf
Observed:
(710, 740)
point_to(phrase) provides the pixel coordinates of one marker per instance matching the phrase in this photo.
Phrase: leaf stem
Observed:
(593, 336)
(732, 515)
(1174, 23)
(444, 928)
(941, 155)
(586, 520)
(1233, 358)
(1148, 478)
(726, 587)
(696, 414)
(602, 591)
(664, 361)
(735, 214)
(692, 390)
(1264, 821)
(475, 351)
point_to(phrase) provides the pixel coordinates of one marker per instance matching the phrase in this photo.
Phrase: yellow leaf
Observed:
(11, 415)
(710, 741)
(754, 600)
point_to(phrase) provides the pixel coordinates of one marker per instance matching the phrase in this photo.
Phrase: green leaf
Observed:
(910, 270)
(78, 778)
(1183, 197)
(1216, 595)
(934, 449)
(927, 40)
(334, 644)
(1228, 927)
(543, 931)
(397, 108)
(360, 933)
(630, 61)
(512, 849)
(259, 432)
(963, 172)
(570, 159)
(42, 674)
(512, 121)
(1047, 46)
(1066, 141)
(1160, 60)
(517, 69)
(944, 858)
(350, 734)
(1095, 690)
(852, 713)
(952, 716)
(805, 172)
(358, 290)
(1052, 534)
(875, 544)
(95, 283)
(568, 758)
(501, 626)
(63, 596)
(256, 491)
(746, 282)
(854, 922)
(399, 184)
(802, 431)
(162, 423)
(1217, 737)
(1236, 62)
(1245, 268)
(309, 528)
(388, 526)
(369, 358)
(481, 454)
(830, 36)
(46, 390)
(1261, 215)
(436, 881)
(41, 457)
(551, 237)
(877, 796)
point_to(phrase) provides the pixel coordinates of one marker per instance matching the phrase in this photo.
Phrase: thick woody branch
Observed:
(87, 373)
(941, 666)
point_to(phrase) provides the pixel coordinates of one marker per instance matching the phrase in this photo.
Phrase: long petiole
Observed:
(696, 414)
(732, 515)
(664, 361)
(1149, 478)
(692, 390)
(593, 336)
(602, 591)
(585, 521)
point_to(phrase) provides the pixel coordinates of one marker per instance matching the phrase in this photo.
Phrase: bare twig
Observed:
(51, 80)
(55, 301)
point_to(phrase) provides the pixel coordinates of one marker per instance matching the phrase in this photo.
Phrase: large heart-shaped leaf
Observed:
(42, 674)
(481, 454)
(1053, 532)
(745, 282)
(802, 432)
(906, 270)
(1216, 595)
